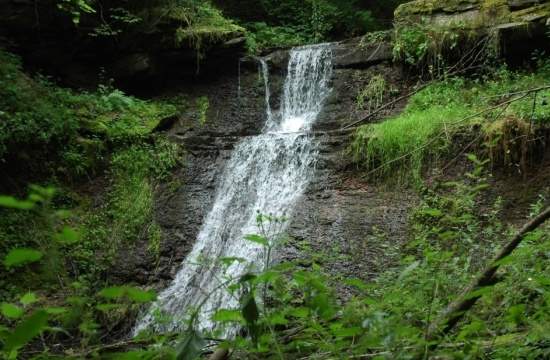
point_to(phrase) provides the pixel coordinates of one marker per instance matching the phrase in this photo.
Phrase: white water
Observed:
(266, 173)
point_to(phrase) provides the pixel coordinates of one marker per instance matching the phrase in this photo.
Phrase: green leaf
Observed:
(53, 310)
(21, 256)
(277, 319)
(299, 312)
(346, 332)
(190, 348)
(134, 294)
(408, 270)
(249, 309)
(134, 355)
(247, 278)
(107, 307)
(113, 292)
(322, 304)
(357, 283)
(432, 212)
(256, 239)
(225, 315)
(478, 292)
(268, 277)
(28, 298)
(4, 332)
(140, 296)
(13, 203)
(230, 260)
(11, 311)
(26, 331)
(67, 236)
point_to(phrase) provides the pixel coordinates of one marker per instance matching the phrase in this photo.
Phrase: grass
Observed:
(401, 148)
(378, 145)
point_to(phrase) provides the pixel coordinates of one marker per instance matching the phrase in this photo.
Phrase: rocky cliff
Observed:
(339, 215)
(518, 26)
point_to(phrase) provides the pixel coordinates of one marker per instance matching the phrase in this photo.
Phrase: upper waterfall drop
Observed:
(305, 89)
(266, 173)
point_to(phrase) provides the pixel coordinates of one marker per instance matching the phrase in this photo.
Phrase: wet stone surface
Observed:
(341, 220)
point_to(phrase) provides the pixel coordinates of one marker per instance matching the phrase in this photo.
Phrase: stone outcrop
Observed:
(519, 26)
(473, 14)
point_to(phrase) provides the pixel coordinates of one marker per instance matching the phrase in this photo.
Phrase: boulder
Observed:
(363, 52)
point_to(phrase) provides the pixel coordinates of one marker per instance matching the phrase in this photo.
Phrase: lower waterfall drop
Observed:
(266, 173)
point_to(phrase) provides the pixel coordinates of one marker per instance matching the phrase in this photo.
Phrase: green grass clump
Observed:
(400, 148)
(382, 143)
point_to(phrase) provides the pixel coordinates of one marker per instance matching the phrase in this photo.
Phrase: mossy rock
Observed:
(472, 14)
(516, 27)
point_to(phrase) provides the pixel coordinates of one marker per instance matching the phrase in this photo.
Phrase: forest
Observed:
(274, 179)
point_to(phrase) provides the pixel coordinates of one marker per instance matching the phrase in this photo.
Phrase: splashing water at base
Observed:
(266, 173)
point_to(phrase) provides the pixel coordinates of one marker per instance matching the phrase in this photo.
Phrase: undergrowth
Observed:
(403, 146)
(72, 131)
(290, 311)
(98, 163)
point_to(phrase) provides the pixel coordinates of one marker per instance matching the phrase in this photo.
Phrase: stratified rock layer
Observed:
(519, 26)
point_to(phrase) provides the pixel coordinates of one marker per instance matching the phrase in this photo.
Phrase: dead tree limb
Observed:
(456, 310)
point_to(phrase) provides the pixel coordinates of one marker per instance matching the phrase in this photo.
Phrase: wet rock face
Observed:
(339, 217)
(352, 228)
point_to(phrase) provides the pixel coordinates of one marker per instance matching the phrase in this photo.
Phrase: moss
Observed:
(539, 11)
(197, 24)
(487, 12)
(427, 7)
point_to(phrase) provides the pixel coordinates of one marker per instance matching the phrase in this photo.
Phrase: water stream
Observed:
(266, 173)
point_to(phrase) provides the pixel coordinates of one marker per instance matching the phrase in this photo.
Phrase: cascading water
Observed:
(266, 173)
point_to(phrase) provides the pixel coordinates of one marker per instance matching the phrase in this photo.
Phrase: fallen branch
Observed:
(456, 310)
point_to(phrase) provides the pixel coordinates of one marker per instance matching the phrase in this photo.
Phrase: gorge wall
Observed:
(354, 226)
(339, 215)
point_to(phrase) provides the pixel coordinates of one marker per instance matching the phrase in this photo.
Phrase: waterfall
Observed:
(266, 173)
(265, 74)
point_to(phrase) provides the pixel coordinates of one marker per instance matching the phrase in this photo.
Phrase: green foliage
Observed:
(126, 215)
(81, 310)
(37, 117)
(425, 46)
(292, 22)
(75, 8)
(401, 147)
(118, 19)
(202, 24)
(373, 94)
(21, 256)
(262, 35)
(376, 146)
(203, 104)
(67, 253)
